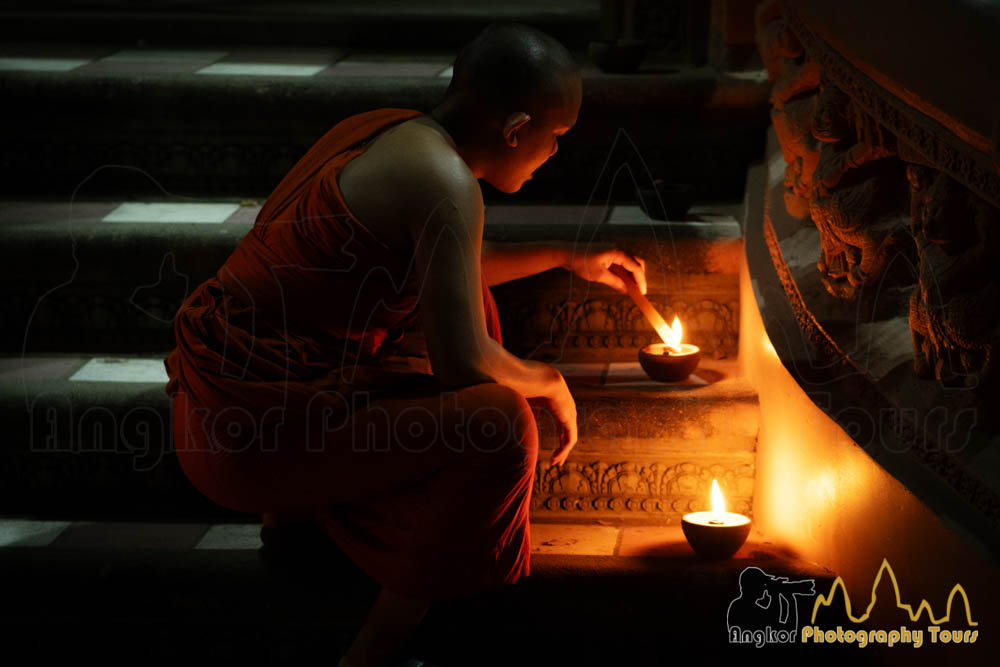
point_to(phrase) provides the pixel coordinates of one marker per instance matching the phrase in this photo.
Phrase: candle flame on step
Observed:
(672, 335)
(718, 502)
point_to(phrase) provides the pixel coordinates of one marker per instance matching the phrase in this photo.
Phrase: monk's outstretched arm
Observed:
(504, 261)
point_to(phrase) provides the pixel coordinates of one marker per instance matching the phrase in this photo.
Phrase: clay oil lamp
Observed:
(671, 360)
(715, 534)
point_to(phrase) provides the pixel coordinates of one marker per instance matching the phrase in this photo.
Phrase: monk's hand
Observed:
(594, 265)
(564, 409)
(560, 403)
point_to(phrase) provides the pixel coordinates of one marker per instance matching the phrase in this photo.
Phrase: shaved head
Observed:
(509, 66)
(513, 93)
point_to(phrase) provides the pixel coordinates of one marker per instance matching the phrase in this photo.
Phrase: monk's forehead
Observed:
(562, 98)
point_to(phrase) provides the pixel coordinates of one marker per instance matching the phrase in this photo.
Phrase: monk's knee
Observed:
(502, 424)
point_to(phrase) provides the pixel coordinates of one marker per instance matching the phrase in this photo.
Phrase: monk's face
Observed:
(538, 138)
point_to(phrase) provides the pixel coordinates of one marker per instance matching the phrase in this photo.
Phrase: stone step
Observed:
(91, 436)
(178, 591)
(126, 121)
(385, 23)
(108, 276)
(651, 449)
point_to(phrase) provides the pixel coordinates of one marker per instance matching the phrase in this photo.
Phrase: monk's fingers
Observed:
(637, 269)
(559, 456)
(567, 440)
(614, 281)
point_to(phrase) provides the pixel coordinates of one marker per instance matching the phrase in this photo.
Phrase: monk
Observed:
(290, 391)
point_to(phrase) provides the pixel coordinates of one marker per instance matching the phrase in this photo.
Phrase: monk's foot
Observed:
(374, 656)
(384, 648)
(297, 536)
(412, 662)
(387, 632)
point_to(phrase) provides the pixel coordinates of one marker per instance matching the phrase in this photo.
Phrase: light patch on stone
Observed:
(111, 369)
(758, 294)
(576, 369)
(628, 215)
(365, 68)
(884, 345)
(29, 533)
(801, 249)
(573, 540)
(41, 64)
(447, 72)
(38, 368)
(171, 212)
(164, 56)
(654, 541)
(261, 69)
(232, 536)
(775, 169)
(758, 75)
(625, 370)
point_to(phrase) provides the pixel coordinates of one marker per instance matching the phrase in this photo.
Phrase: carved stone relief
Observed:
(571, 327)
(629, 487)
(955, 312)
(858, 197)
(888, 192)
(841, 171)
(880, 161)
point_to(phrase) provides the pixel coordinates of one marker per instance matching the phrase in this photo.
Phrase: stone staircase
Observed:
(88, 423)
(382, 24)
(113, 550)
(648, 450)
(117, 119)
(596, 595)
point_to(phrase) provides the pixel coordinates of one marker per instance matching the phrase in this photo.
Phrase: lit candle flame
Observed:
(672, 335)
(718, 502)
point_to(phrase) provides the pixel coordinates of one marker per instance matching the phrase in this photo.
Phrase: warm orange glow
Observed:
(672, 334)
(718, 502)
(768, 346)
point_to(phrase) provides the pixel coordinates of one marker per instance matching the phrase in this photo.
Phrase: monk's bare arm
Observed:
(446, 229)
(503, 262)
(512, 260)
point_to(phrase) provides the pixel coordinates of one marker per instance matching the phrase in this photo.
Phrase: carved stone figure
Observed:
(841, 167)
(955, 312)
(858, 197)
(793, 98)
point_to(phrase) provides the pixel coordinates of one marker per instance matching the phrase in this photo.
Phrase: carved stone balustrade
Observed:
(896, 166)
(873, 236)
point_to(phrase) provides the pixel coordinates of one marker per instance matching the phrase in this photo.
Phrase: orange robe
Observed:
(291, 340)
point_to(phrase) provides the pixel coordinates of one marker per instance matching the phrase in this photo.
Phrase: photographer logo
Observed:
(766, 610)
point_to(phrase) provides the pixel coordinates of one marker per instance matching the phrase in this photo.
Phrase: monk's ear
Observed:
(512, 124)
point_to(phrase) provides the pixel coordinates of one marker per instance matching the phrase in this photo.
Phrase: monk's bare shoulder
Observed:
(424, 172)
